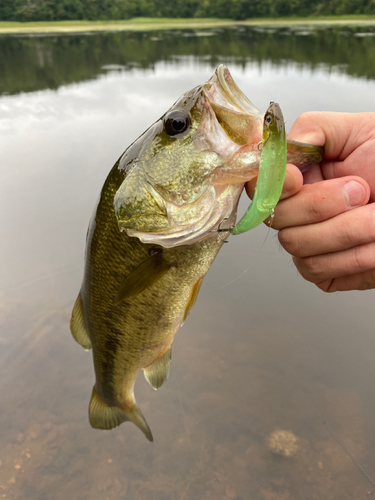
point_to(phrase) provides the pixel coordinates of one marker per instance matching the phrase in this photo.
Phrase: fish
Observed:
(271, 175)
(154, 235)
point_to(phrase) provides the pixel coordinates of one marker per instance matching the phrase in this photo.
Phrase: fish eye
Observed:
(268, 118)
(176, 122)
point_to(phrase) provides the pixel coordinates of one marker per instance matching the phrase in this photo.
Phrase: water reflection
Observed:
(264, 353)
(32, 63)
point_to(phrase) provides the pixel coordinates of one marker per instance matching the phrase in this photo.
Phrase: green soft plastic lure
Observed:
(271, 171)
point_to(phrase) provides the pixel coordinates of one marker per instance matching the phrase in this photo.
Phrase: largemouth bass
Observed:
(153, 237)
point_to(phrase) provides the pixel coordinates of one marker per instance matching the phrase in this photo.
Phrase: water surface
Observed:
(263, 351)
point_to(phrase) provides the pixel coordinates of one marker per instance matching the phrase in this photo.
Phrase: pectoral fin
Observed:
(193, 297)
(106, 417)
(143, 276)
(77, 325)
(157, 373)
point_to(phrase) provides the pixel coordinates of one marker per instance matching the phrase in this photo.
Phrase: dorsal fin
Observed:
(193, 297)
(157, 373)
(143, 276)
(77, 325)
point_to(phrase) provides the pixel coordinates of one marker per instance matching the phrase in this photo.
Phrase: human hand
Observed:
(349, 145)
(327, 224)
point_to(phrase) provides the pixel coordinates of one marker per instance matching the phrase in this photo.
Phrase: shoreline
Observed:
(148, 24)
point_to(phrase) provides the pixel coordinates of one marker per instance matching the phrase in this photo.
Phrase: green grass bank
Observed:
(142, 24)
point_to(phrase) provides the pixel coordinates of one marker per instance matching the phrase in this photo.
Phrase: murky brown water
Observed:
(271, 393)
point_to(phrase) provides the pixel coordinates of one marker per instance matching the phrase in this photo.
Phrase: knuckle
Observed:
(301, 268)
(289, 239)
(283, 236)
(358, 261)
(347, 236)
(312, 269)
(354, 228)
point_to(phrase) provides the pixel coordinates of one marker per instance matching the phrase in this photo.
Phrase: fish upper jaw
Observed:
(239, 118)
(235, 129)
(225, 92)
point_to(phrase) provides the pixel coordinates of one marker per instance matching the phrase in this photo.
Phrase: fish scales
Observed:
(154, 235)
(157, 310)
(130, 335)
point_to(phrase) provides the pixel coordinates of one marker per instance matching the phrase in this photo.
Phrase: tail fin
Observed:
(102, 416)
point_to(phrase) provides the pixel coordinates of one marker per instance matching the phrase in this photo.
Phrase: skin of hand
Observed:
(326, 217)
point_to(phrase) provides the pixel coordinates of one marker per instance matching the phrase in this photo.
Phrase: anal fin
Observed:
(143, 276)
(157, 373)
(102, 416)
(77, 325)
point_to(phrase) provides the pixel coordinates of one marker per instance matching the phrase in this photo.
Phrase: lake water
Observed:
(262, 355)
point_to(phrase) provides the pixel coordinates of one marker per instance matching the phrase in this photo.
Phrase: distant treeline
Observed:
(54, 10)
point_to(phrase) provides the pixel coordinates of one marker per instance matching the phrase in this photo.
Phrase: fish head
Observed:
(273, 122)
(178, 176)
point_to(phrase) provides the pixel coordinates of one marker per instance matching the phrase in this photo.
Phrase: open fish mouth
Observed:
(238, 116)
(224, 146)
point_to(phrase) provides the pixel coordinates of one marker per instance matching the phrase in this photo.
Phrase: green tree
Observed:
(48, 10)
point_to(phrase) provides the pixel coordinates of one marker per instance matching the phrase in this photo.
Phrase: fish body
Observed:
(153, 237)
(134, 333)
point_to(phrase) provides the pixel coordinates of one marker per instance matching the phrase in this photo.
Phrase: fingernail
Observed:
(354, 193)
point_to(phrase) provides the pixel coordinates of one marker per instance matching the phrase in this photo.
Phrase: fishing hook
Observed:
(219, 230)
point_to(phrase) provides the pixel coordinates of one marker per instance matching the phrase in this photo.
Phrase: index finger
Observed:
(321, 201)
(348, 140)
(328, 129)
